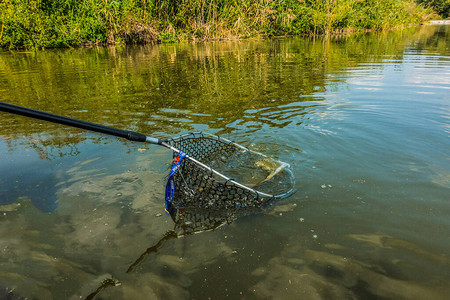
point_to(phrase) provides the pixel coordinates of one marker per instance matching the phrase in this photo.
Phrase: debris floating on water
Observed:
(301, 220)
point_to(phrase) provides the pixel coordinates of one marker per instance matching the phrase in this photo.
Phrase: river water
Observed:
(364, 122)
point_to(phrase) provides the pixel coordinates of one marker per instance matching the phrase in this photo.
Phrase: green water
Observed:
(364, 122)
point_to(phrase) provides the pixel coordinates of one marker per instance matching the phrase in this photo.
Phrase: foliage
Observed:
(62, 23)
(442, 7)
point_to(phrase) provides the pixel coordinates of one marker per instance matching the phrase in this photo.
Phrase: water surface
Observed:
(363, 121)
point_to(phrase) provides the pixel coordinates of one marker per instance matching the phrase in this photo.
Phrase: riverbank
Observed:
(37, 24)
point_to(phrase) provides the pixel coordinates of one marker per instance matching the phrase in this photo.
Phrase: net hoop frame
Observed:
(199, 134)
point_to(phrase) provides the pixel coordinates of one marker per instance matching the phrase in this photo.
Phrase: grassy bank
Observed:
(62, 23)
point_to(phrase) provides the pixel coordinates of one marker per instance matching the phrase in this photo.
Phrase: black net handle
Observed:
(42, 115)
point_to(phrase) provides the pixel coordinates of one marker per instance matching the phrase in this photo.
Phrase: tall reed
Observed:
(63, 23)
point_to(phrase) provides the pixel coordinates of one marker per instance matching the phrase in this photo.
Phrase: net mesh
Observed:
(240, 173)
(190, 221)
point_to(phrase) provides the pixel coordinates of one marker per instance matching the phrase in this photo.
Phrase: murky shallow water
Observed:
(363, 121)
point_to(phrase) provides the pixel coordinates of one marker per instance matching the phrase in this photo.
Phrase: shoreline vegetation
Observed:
(39, 24)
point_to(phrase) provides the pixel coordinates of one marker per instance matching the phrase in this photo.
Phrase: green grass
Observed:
(33, 24)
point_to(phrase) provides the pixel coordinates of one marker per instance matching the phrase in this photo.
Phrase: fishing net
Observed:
(212, 182)
(215, 173)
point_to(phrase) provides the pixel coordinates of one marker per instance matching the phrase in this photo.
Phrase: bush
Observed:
(442, 7)
(64, 23)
